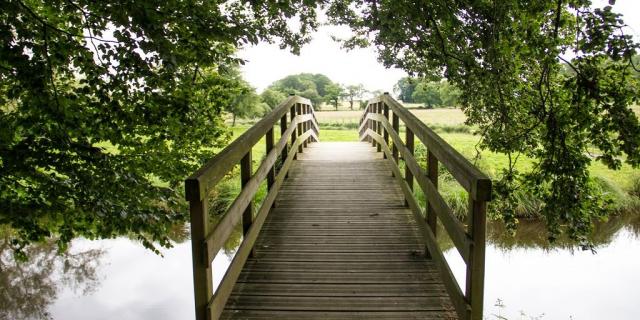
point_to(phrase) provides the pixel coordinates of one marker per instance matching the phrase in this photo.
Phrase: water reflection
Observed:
(527, 277)
(119, 279)
(29, 288)
(532, 234)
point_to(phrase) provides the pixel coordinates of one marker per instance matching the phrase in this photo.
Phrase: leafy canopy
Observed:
(105, 107)
(505, 58)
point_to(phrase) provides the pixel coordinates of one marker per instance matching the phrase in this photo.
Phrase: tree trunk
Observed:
(351, 104)
(233, 124)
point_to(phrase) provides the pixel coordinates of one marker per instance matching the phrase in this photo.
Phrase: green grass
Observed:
(428, 116)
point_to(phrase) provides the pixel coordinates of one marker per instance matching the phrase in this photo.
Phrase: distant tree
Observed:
(272, 98)
(245, 103)
(449, 94)
(311, 86)
(354, 92)
(404, 89)
(334, 92)
(427, 93)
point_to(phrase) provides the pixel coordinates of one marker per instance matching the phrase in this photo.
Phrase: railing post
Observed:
(374, 124)
(271, 175)
(475, 268)
(408, 176)
(300, 132)
(294, 134)
(309, 122)
(386, 132)
(283, 129)
(369, 122)
(379, 126)
(202, 276)
(396, 127)
(245, 176)
(432, 172)
(305, 124)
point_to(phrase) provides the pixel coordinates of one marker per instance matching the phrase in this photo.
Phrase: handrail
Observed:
(376, 128)
(205, 243)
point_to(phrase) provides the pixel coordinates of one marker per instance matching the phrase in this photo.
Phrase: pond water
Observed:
(525, 278)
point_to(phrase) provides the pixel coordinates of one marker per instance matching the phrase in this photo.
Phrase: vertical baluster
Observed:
(386, 132)
(271, 175)
(300, 132)
(293, 133)
(432, 168)
(202, 276)
(309, 122)
(245, 176)
(396, 127)
(283, 128)
(379, 126)
(475, 268)
(305, 124)
(374, 124)
(408, 176)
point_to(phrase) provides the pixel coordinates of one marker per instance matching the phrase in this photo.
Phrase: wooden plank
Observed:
(202, 277)
(336, 266)
(342, 277)
(336, 315)
(336, 304)
(341, 290)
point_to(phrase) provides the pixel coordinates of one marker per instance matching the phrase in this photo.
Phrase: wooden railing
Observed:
(207, 240)
(376, 127)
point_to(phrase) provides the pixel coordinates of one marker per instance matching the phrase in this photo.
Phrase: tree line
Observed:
(433, 94)
(316, 87)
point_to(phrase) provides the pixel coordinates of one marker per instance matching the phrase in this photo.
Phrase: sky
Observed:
(266, 63)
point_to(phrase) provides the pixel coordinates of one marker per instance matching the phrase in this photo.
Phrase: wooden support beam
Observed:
(396, 128)
(294, 134)
(432, 172)
(271, 176)
(300, 129)
(475, 267)
(245, 176)
(386, 132)
(202, 277)
(283, 129)
(379, 126)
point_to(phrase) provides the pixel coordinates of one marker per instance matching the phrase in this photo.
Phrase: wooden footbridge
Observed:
(339, 234)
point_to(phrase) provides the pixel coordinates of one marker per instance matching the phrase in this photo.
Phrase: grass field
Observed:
(429, 116)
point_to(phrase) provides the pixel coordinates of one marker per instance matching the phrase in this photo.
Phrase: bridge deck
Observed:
(340, 244)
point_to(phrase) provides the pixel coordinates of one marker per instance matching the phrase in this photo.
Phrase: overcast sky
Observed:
(267, 63)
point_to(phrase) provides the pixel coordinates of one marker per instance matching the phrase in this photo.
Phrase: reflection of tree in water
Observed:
(533, 234)
(28, 288)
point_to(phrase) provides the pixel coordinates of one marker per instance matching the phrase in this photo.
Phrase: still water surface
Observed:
(119, 279)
